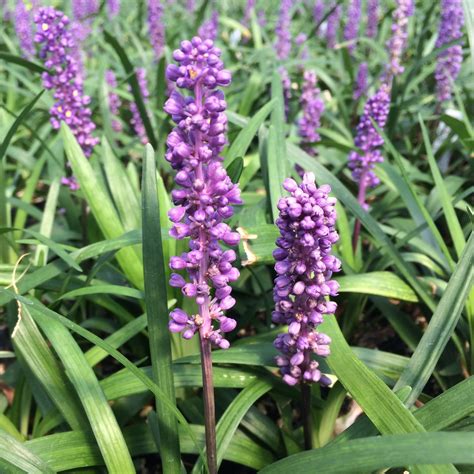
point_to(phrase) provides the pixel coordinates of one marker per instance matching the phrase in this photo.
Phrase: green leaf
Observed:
(134, 85)
(101, 205)
(370, 454)
(103, 289)
(234, 170)
(99, 413)
(441, 326)
(243, 140)
(14, 454)
(157, 314)
(33, 67)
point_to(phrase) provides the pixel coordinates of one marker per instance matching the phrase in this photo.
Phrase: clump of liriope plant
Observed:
(203, 202)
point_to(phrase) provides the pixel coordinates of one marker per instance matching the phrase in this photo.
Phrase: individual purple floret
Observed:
(304, 266)
(398, 40)
(210, 28)
(114, 100)
(136, 119)
(205, 195)
(282, 30)
(318, 12)
(351, 30)
(24, 28)
(450, 60)
(333, 25)
(313, 107)
(156, 27)
(369, 141)
(71, 105)
(360, 88)
(113, 7)
(372, 18)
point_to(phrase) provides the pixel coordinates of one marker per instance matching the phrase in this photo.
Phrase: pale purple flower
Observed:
(351, 30)
(113, 7)
(332, 27)
(398, 40)
(191, 6)
(71, 105)
(318, 12)
(248, 10)
(24, 28)
(114, 100)
(449, 61)
(301, 40)
(372, 18)
(156, 27)
(136, 120)
(369, 140)
(82, 9)
(282, 30)
(206, 195)
(360, 88)
(312, 107)
(210, 28)
(304, 266)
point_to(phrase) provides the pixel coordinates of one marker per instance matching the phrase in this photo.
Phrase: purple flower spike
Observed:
(333, 25)
(398, 40)
(113, 7)
(210, 28)
(450, 60)
(282, 30)
(369, 140)
(24, 28)
(352, 25)
(372, 18)
(318, 12)
(304, 266)
(136, 120)
(71, 105)
(156, 27)
(114, 100)
(360, 88)
(206, 195)
(312, 106)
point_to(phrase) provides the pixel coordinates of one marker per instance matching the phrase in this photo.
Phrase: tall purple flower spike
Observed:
(304, 266)
(352, 24)
(360, 88)
(71, 105)
(156, 27)
(206, 194)
(449, 61)
(114, 100)
(318, 12)
(398, 40)
(333, 24)
(369, 141)
(210, 28)
(372, 18)
(24, 27)
(136, 120)
(313, 107)
(282, 30)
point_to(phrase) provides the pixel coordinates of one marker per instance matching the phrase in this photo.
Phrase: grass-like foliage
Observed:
(91, 378)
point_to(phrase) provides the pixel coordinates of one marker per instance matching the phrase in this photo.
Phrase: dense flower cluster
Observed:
(136, 119)
(113, 7)
(282, 30)
(114, 100)
(398, 40)
(351, 29)
(333, 25)
(156, 27)
(372, 18)
(360, 88)
(210, 28)
(369, 140)
(450, 60)
(312, 107)
(206, 194)
(304, 266)
(71, 105)
(24, 27)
